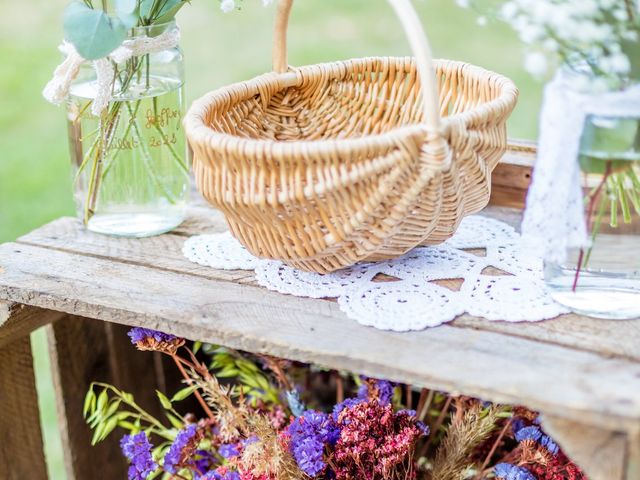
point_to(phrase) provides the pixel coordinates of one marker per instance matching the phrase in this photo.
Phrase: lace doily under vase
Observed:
(495, 279)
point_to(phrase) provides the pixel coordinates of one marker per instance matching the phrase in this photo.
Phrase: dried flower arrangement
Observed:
(257, 423)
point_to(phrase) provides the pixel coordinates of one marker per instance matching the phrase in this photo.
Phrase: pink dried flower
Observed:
(375, 442)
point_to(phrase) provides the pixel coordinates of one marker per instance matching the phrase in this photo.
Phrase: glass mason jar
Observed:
(130, 167)
(603, 279)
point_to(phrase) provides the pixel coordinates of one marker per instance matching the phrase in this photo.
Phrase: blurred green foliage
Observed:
(35, 182)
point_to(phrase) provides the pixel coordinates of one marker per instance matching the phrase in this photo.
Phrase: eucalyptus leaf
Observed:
(92, 32)
(127, 12)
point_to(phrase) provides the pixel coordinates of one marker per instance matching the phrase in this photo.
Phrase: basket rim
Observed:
(197, 129)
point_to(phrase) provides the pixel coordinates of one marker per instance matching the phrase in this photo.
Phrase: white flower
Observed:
(509, 11)
(266, 3)
(550, 45)
(536, 64)
(227, 5)
(620, 63)
(482, 21)
(531, 34)
(463, 3)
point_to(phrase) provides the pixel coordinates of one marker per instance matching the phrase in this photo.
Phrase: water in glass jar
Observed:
(131, 170)
(603, 279)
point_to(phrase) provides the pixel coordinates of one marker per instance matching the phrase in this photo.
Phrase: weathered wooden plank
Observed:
(579, 385)
(602, 454)
(21, 447)
(18, 321)
(79, 355)
(633, 455)
(85, 350)
(609, 338)
(164, 252)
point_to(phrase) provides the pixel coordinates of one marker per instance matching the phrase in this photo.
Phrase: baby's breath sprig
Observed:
(598, 37)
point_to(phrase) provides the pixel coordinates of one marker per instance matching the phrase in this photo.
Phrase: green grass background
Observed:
(35, 184)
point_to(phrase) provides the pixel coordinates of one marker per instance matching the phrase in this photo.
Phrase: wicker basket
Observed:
(326, 165)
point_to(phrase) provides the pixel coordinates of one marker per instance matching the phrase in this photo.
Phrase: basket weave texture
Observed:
(327, 165)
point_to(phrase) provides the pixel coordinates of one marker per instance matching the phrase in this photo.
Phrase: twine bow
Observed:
(57, 90)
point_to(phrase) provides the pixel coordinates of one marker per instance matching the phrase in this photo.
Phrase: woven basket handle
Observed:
(417, 39)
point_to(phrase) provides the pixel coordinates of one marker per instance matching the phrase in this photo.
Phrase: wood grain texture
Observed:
(79, 355)
(633, 455)
(490, 365)
(600, 453)
(608, 338)
(21, 447)
(18, 321)
(82, 351)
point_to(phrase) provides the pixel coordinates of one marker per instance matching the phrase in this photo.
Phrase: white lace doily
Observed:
(414, 297)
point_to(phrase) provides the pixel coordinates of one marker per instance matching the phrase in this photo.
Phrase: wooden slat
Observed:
(512, 177)
(82, 351)
(80, 355)
(21, 448)
(493, 366)
(609, 338)
(18, 321)
(600, 453)
(633, 454)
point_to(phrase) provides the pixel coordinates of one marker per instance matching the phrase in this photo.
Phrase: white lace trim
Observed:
(411, 300)
(554, 217)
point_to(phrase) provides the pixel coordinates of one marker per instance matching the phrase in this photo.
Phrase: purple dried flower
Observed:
(229, 450)
(221, 473)
(139, 334)
(205, 461)
(147, 339)
(506, 471)
(421, 426)
(517, 424)
(309, 434)
(249, 441)
(309, 453)
(528, 433)
(547, 442)
(137, 449)
(176, 453)
(383, 390)
(347, 404)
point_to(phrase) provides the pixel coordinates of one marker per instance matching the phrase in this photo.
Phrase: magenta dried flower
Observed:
(137, 449)
(374, 441)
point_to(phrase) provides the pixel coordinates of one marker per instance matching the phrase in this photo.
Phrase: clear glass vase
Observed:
(131, 172)
(603, 279)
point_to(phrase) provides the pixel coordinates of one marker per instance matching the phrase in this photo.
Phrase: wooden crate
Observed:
(582, 374)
